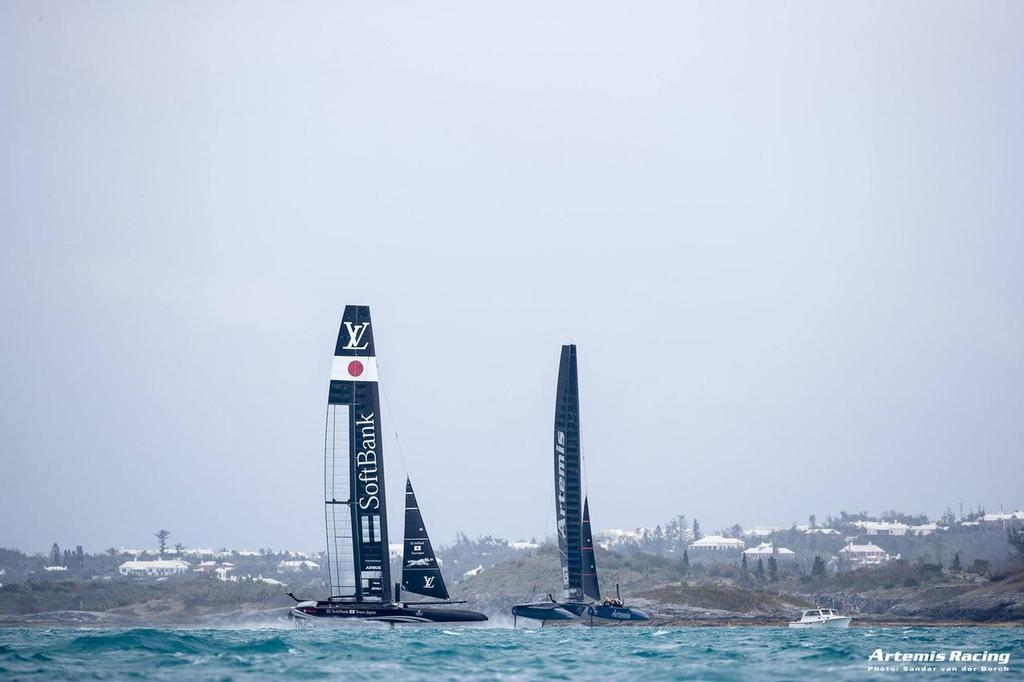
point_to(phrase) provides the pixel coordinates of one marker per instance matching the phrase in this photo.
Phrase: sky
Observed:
(787, 239)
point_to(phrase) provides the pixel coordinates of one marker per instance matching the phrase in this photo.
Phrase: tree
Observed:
(112, 551)
(696, 530)
(55, 555)
(744, 571)
(161, 536)
(79, 556)
(956, 562)
(178, 547)
(675, 533)
(759, 571)
(681, 531)
(813, 519)
(686, 562)
(1015, 536)
(818, 568)
(773, 569)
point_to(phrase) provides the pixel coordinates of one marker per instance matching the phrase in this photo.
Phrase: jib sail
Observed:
(590, 586)
(357, 532)
(420, 573)
(567, 474)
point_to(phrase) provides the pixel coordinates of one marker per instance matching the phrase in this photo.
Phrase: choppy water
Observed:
(484, 653)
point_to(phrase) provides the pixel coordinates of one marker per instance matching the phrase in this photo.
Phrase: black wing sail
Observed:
(420, 573)
(357, 531)
(567, 474)
(590, 586)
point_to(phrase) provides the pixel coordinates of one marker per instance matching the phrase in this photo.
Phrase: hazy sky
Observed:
(788, 239)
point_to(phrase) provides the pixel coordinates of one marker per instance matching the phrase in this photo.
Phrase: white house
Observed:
(882, 527)
(765, 550)
(1003, 518)
(298, 565)
(894, 528)
(808, 529)
(717, 543)
(55, 569)
(268, 581)
(864, 555)
(156, 567)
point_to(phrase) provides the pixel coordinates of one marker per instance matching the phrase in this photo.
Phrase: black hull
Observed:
(543, 611)
(615, 613)
(573, 610)
(336, 611)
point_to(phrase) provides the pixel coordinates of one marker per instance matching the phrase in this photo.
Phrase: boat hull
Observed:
(383, 613)
(618, 613)
(543, 611)
(574, 610)
(841, 622)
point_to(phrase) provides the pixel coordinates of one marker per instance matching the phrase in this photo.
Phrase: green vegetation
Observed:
(724, 597)
(180, 594)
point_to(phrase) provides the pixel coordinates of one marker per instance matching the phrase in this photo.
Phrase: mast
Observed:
(590, 586)
(420, 573)
(355, 505)
(567, 474)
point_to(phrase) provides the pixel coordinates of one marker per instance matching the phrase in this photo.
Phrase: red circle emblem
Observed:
(355, 368)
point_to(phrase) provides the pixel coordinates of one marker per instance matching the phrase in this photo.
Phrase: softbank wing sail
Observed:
(357, 527)
(355, 505)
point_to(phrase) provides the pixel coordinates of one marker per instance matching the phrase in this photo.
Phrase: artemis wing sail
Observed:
(357, 531)
(420, 573)
(590, 586)
(567, 474)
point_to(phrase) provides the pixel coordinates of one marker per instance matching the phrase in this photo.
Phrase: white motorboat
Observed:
(821, 618)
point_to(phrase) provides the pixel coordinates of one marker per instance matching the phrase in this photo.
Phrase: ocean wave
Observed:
(272, 645)
(140, 639)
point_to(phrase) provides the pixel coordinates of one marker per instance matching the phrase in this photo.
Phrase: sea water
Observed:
(471, 653)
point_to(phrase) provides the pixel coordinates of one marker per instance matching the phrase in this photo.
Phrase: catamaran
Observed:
(572, 515)
(358, 559)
